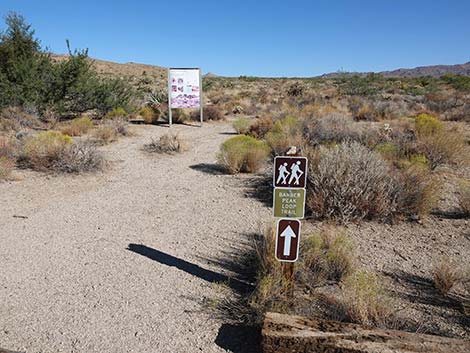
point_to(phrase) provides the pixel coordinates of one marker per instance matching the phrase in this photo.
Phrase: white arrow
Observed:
(287, 234)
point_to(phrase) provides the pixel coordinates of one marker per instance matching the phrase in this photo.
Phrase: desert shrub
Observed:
(6, 167)
(105, 134)
(8, 148)
(242, 125)
(270, 288)
(260, 127)
(42, 150)
(78, 126)
(120, 125)
(363, 300)
(326, 255)
(337, 128)
(295, 90)
(416, 191)
(118, 112)
(350, 182)
(387, 150)
(464, 197)
(180, 116)
(150, 114)
(243, 154)
(167, 143)
(442, 147)
(30, 77)
(211, 112)
(285, 133)
(79, 157)
(427, 125)
(445, 275)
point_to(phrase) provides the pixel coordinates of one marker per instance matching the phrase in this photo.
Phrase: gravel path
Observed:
(120, 261)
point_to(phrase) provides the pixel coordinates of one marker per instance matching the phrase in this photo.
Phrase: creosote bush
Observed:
(243, 154)
(167, 143)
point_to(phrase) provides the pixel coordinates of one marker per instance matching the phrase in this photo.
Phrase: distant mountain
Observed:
(434, 70)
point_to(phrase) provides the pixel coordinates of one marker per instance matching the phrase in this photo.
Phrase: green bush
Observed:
(427, 125)
(243, 154)
(150, 114)
(42, 151)
(285, 133)
(118, 112)
(30, 78)
(242, 125)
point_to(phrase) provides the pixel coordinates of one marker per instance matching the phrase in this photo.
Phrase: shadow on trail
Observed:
(188, 267)
(239, 338)
(209, 168)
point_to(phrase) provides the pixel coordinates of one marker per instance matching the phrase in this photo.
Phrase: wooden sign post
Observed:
(289, 181)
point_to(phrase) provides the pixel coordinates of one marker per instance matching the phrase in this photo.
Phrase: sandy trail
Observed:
(120, 261)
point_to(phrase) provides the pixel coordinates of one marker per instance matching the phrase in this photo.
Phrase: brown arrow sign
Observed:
(287, 240)
(290, 172)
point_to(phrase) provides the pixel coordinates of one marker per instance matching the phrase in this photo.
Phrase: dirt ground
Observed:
(122, 261)
(126, 260)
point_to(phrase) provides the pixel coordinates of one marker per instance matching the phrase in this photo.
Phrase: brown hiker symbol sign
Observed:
(290, 172)
(287, 240)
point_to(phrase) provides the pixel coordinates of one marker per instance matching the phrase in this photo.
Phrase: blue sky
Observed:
(262, 38)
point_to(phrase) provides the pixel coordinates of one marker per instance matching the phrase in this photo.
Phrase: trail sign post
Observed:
(289, 181)
(287, 240)
(184, 90)
(290, 172)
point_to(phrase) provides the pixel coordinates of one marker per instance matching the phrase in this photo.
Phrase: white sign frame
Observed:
(201, 104)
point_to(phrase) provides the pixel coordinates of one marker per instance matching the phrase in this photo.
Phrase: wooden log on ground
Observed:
(5, 351)
(294, 334)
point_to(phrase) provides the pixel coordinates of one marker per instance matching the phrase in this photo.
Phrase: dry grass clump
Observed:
(350, 182)
(242, 125)
(105, 134)
(167, 143)
(79, 157)
(78, 126)
(416, 189)
(212, 113)
(327, 255)
(285, 133)
(180, 116)
(8, 154)
(43, 150)
(243, 154)
(110, 130)
(446, 274)
(363, 300)
(464, 197)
